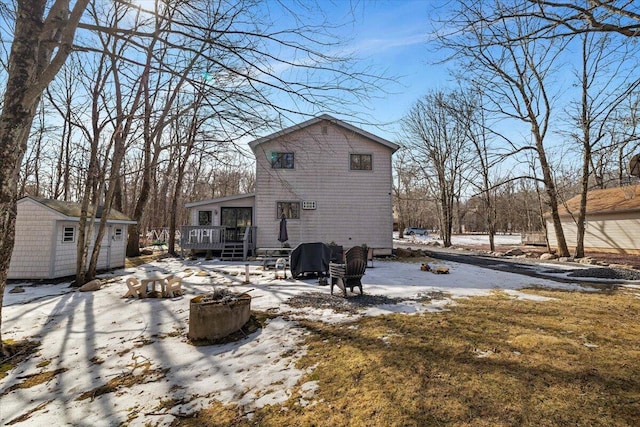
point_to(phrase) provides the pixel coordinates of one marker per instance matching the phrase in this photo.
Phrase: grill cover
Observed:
(310, 258)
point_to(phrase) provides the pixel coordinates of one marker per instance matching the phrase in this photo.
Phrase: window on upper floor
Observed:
(68, 234)
(360, 162)
(291, 210)
(282, 160)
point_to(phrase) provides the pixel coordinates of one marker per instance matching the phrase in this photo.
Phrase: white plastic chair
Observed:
(174, 284)
(133, 288)
(281, 267)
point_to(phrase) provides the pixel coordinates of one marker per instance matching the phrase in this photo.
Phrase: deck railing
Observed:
(203, 237)
(209, 237)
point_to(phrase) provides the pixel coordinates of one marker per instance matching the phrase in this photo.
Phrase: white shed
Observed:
(46, 239)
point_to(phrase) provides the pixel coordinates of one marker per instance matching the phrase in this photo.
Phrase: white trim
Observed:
(64, 231)
(360, 154)
(118, 237)
(218, 200)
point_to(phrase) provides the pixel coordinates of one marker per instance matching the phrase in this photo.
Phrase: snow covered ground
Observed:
(465, 239)
(94, 337)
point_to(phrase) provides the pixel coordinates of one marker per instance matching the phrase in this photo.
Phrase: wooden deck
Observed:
(216, 238)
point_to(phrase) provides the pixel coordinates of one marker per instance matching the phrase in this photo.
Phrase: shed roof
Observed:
(609, 200)
(316, 120)
(72, 209)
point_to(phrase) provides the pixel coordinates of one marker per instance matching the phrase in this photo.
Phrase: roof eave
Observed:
(218, 200)
(64, 217)
(253, 144)
(97, 220)
(601, 212)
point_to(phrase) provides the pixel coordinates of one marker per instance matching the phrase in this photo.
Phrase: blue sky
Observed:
(391, 37)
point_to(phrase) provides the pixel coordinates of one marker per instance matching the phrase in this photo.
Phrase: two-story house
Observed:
(331, 180)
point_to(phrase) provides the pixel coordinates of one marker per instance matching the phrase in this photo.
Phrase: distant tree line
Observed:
(546, 109)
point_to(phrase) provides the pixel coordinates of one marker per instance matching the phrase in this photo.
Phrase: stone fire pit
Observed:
(216, 315)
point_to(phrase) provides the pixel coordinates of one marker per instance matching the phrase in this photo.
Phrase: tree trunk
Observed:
(118, 155)
(580, 223)
(550, 188)
(133, 240)
(149, 158)
(30, 70)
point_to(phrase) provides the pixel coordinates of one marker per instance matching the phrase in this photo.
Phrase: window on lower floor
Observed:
(68, 234)
(360, 162)
(291, 210)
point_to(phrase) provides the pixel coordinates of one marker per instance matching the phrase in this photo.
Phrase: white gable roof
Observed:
(316, 120)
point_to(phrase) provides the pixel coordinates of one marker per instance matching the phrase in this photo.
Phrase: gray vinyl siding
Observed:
(352, 207)
(31, 257)
(65, 254)
(112, 252)
(118, 247)
(615, 232)
(247, 202)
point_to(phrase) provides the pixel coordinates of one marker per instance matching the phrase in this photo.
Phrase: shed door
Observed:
(236, 220)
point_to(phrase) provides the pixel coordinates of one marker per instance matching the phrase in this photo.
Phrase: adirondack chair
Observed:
(349, 274)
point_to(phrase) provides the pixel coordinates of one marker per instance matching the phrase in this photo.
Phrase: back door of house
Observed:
(236, 220)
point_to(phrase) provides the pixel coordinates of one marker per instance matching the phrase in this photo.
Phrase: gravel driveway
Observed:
(533, 267)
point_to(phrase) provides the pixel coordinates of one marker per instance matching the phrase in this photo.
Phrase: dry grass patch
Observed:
(125, 381)
(490, 361)
(16, 352)
(33, 380)
(24, 417)
(143, 259)
(217, 415)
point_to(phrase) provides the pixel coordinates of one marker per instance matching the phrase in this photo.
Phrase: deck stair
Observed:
(232, 251)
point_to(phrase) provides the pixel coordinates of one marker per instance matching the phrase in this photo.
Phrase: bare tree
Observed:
(184, 145)
(407, 197)
(113, 106)
(468, 108)
(621, 17)
(514, 72)
(604, 85)
(61, 98)
(31, 176)
(438, 144)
